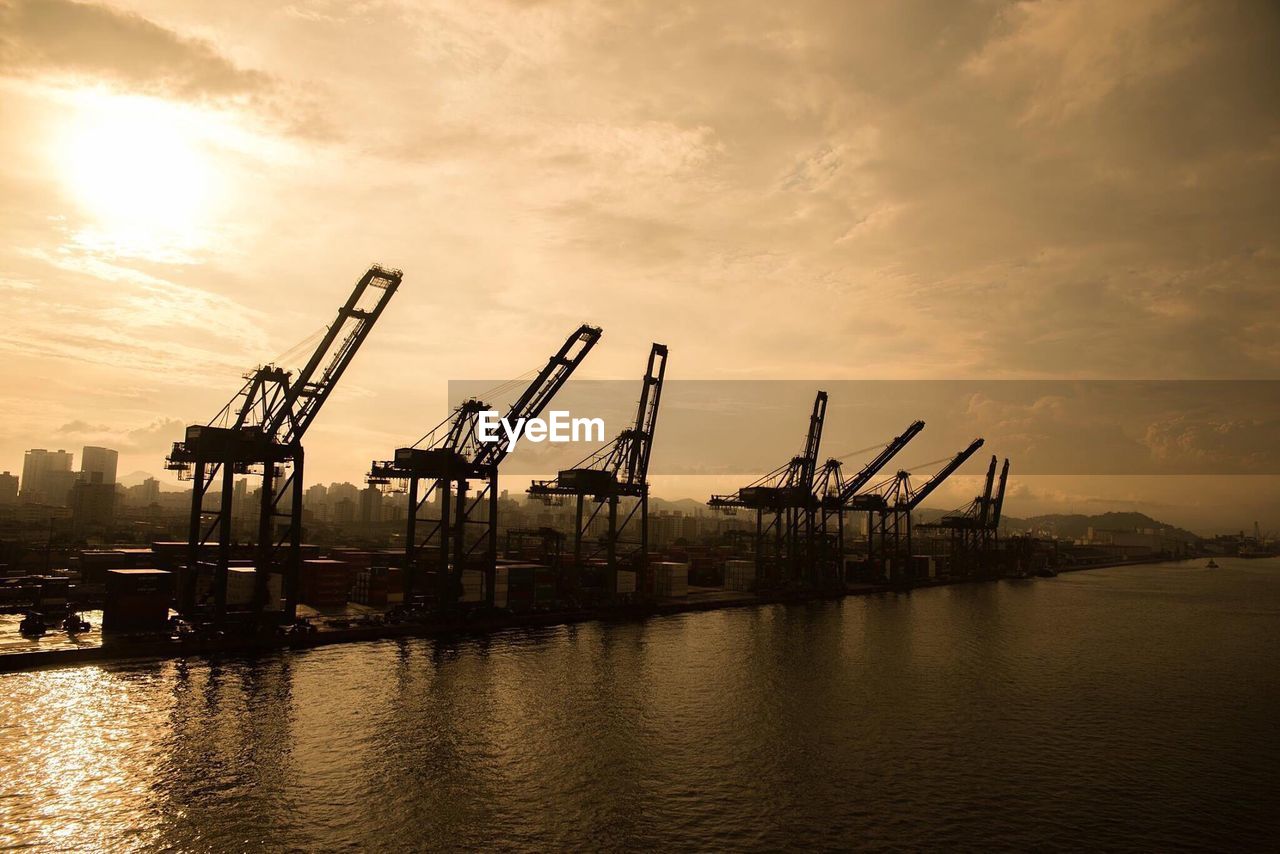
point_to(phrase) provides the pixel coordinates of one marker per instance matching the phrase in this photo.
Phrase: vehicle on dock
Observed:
(74, 624)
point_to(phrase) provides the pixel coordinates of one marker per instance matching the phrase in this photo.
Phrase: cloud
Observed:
(1069, 57)
(1126, 428)
(829, 189)
(137, 318)
(1215, 444)
(89, 40)
(153, 438)
(80, 428)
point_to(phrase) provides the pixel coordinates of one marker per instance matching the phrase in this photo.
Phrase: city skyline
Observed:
(558, 425)
(956, 489)
(798, 195)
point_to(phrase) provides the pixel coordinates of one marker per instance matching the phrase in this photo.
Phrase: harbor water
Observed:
(1124, 708)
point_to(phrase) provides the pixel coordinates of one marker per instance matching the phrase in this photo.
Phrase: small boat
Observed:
(1212, 564)
(1047, 572)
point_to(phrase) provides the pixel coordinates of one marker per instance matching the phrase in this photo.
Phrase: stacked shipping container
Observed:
(671, 580)
(740, 575)
(137, 600)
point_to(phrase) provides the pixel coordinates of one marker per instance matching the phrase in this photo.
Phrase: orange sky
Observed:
(779, 191)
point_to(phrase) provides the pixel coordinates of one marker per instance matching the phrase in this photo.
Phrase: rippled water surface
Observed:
(1125, 708)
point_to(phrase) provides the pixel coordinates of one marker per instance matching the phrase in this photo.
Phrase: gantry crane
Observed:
(448, 465)
(891, 505)
(973, 530)
(785, 497)
(837, 496)
(616, 471)
(260, 432)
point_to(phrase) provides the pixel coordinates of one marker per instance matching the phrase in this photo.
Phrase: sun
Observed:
(140, 172)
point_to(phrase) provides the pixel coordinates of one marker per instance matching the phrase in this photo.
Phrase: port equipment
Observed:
(838, 496)
(890, 505)
(785, 510)
(973, 530)
(616, 472)
(451, 523)
(259, 432)
(547, 544)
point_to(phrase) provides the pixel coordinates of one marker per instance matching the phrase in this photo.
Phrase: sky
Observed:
(809, 191)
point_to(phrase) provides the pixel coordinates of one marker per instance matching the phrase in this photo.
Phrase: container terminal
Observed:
(818, 531)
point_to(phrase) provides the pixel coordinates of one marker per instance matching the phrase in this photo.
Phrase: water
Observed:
(1124, 708)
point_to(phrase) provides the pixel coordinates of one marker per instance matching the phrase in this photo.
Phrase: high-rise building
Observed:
(47, 476)
(95, 460)
(8, 488)
(93, 505)
(240, 506)
(150, 491)
(344, 510)
(370, 504)
(144, 494)
(341, 491)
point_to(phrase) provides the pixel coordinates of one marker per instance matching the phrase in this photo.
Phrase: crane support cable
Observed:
(918, 466)
(860, 452)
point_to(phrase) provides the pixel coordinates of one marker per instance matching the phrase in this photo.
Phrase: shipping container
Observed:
(671, 579)
(370, 587)
(137, 600)
(472, 585)
(324, 582)
(242, 582)
(740, 575)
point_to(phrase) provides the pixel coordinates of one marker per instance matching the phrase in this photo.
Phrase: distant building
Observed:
(98, 461)
(47, 476)
(343, 492)
(93, 505)
(240, 506)
(394, 507)
(344, 510)
(370, 504)
(8, 488)
(1139, 540)
(145, 494)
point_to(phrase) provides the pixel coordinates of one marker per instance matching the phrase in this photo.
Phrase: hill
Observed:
(1074, 526)
(1077, 525)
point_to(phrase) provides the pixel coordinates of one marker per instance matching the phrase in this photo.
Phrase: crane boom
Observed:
(459, 451)
(788, 483)
(307, 393)
(944, 473)
(544, 387)
(275, 409)
(809, 461)
(623, 464)
(999, 500)
(984, 503)
(636, 469)
(862, 478)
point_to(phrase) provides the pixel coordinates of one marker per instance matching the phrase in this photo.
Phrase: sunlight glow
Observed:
(142, 172)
